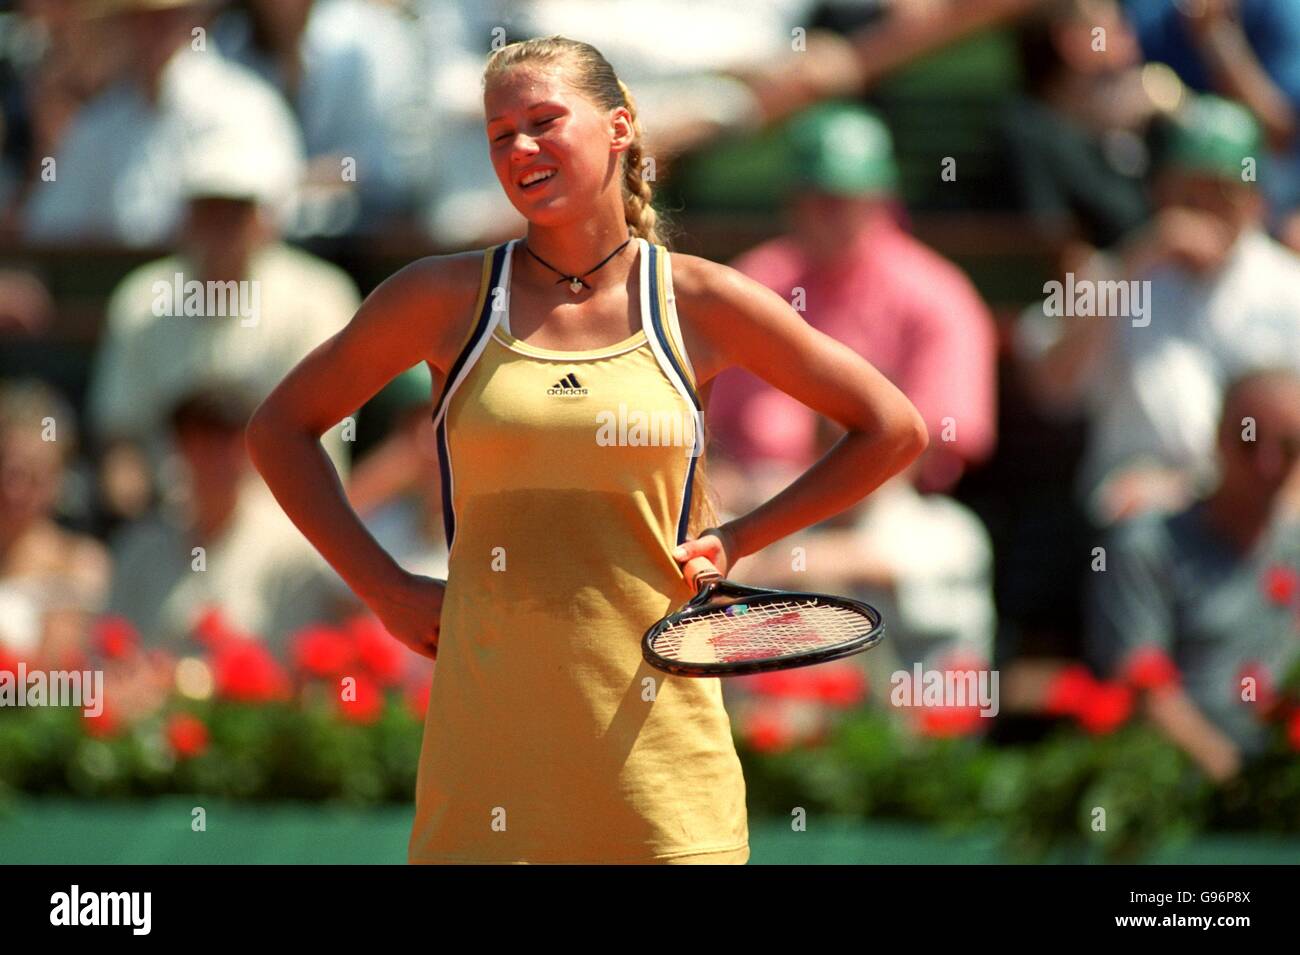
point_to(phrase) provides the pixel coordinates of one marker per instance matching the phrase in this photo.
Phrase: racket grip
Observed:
(700, 571)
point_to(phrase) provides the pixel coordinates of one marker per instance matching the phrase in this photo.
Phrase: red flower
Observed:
(767, 732)
(103, 726)
(323, 651)
(1069, 691)
(788, 684)
(1107, 708)
(1150, 668)
(367, 700)
(417, 699)
(1265, 697)
(188, 735)
(1280, 584)
(949, 720)
(115, 637)
(843, 685)
(1293, 731)
(8, 661)
(382, 654)
(246, 671)
(213, 629)
(835, 684)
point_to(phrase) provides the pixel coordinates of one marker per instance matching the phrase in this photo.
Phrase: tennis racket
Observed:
(729, 629)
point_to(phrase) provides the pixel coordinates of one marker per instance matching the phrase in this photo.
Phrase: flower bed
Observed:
(343, 721)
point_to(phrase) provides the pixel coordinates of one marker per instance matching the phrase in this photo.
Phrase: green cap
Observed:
(1213, 136)
(842, 148)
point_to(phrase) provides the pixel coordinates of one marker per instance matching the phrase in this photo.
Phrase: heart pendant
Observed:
(575, 285)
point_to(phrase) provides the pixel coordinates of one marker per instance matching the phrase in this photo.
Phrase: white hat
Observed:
(233, 162)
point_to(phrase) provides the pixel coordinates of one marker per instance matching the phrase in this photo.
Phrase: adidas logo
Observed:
(567, 387)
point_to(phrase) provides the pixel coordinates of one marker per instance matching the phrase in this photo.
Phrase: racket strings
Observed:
(761, 631)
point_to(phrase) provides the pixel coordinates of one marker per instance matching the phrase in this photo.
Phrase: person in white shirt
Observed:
(1220, 298)
(223, 543)
(115, 174)
(354, 72)
(233, 302)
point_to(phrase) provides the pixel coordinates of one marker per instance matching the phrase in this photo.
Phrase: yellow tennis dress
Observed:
(567, 481)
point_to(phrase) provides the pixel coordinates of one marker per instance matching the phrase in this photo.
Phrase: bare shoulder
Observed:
(432, 300)
(715, 303)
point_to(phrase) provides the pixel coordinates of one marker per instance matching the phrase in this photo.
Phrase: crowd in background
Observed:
(1153, 145)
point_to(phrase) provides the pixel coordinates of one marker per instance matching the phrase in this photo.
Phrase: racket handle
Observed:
(700, 571)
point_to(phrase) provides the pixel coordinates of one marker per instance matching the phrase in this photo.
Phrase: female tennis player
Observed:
(548, 739)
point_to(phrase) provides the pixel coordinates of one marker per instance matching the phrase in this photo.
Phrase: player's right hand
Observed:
(412, 612)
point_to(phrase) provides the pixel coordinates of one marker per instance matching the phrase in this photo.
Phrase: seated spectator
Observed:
(354, 73)
(223, 544)
(233, 301)
(1077, 136)
(1243, 50)
(1223, 298)
(51, 579)
(854, 272)
(115, 172)
(1199, 607)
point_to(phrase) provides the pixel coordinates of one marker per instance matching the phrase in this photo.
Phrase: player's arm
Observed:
(735, 321)
(419, 314)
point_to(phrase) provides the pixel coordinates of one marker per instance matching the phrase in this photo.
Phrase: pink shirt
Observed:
(911, 313)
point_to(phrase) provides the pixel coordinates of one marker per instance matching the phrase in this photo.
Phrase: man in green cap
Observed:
(1223, 298)
(849, 267)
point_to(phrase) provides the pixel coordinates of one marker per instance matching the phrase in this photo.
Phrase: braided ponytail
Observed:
(637, 209)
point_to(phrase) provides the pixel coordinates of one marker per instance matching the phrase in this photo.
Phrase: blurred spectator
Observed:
(51, 580)
(1192, 604)
(224, 544)
(234, 302)
(863, 280)
(354, 72)
(115, 171)
(1223, 298)
(51, 62)
(26, 308)
(1244, 50)
(1077, 137)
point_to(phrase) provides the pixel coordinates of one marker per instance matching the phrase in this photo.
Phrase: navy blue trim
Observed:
(688, 498)
(498, 261)
(444, 449)
(661, 333)
(657, 323)
(444, 472)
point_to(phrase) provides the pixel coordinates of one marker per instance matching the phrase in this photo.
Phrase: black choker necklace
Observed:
(576, 281)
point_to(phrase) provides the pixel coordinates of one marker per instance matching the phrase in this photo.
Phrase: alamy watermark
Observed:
(212, 299)
(1087, 298)
(83, 688)
(946, 688)
(636, 427)
(130, 909)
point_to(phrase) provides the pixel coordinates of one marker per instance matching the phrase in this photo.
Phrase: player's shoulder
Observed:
(451, 278)
(436, 294)
(705, 286)
(718, 305)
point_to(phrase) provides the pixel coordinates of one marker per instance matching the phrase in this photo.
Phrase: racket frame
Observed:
(710, 583)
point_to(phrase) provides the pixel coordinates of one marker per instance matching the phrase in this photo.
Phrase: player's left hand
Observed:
(711, 550)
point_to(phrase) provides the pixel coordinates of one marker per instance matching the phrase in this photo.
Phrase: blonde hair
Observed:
(588, 72)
